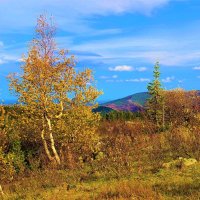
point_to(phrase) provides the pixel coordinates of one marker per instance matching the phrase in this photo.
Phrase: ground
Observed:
(172, 184)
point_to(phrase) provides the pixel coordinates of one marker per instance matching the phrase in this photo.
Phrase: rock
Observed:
(172, 164)
(188, 162)
(179, 163)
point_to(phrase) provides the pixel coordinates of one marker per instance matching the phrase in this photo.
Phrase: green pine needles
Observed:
(155, 104)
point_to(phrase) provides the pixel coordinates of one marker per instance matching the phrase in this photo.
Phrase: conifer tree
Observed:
(155, 104)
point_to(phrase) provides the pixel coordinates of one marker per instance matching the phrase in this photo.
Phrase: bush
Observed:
(124, 147)
(7, 170)
(184, 142)
(179, 142)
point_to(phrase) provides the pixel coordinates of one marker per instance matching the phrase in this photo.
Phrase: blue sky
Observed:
(119, 39)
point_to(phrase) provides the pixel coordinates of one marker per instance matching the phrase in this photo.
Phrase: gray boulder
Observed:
(180, 163)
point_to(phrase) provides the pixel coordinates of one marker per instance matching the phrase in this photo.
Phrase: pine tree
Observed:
(155, 104)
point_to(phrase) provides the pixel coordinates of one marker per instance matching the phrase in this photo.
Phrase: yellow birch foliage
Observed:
(53, 91)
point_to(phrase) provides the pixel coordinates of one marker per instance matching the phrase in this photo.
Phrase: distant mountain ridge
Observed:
(131, 103)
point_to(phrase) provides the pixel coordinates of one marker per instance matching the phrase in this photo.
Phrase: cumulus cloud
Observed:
(121, 68)
(168, 79)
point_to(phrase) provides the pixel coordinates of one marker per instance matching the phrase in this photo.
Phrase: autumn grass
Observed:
(128, 189)
(60, 185)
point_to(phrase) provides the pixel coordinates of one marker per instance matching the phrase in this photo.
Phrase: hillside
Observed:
(131, 103)
(103, 109)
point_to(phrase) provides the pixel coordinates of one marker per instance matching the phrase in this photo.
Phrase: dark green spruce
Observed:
(155, 104)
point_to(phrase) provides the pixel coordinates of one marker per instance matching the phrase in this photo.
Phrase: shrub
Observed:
(7, 170)
(179, 142)
(184, 142)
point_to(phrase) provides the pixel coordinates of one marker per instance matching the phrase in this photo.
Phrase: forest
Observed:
(53, 146)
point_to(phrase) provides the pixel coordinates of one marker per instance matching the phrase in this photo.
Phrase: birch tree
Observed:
(50, 85)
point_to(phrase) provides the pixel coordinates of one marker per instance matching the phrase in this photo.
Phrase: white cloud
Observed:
(1, 44)
(4, 58)
(1, 61)
(78, 19)
(128, 68)
(122, 44)
(121, 68)
(110, 81)
(138, 80)
(108, 77)
(196, 68)
(104, 7)
(128, 80)
(181, 81)
(114, 76)
(168, 79)
(73, 15)
(141, 69)
(104, 77)
(175, 51)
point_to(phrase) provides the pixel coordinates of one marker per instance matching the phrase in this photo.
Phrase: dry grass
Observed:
(127, 190)
(65, 185)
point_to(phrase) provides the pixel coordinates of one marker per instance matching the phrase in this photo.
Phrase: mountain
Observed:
(131, 103)
(102, 109)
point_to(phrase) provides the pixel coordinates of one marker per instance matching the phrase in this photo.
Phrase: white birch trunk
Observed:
(52, 141)
(1, 191)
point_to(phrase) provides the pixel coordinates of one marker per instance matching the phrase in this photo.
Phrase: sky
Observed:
(120, 40)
